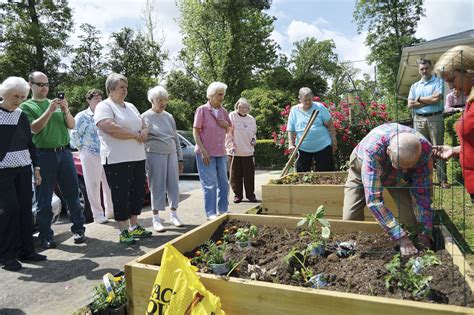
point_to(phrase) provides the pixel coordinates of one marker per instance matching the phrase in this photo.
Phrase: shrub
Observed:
(352, 123)
(451, 138)
(267, 156)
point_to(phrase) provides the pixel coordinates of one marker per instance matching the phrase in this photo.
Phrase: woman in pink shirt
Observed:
(240, 142)
(211, 122)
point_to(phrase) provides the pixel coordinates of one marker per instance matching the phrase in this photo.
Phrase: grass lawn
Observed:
(457, 204)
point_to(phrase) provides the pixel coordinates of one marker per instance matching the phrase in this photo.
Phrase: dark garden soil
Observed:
(363, 272)
(309, 179)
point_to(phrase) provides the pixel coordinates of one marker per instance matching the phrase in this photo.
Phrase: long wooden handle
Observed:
(314, 114)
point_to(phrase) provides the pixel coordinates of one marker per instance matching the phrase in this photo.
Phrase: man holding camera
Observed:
(50, 121)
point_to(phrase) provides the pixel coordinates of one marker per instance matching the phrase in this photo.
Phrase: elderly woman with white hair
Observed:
(320, 142)
(211, 122)
(240, 142)
(164, 159)
(17, 154)
(122, 134)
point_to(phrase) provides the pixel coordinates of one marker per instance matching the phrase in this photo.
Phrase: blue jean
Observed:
(213, 178)
(58, 166)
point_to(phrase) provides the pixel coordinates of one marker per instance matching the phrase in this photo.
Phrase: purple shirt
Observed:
(377, 172)
(212, 136)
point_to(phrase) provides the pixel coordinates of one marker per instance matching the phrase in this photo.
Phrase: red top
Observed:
(465, 131)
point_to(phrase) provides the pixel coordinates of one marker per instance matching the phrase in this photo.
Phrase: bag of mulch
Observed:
(178, 290)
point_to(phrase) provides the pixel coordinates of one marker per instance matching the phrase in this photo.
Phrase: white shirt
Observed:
(113, 150)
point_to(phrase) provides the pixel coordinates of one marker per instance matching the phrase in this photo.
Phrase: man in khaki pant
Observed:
(398, 158)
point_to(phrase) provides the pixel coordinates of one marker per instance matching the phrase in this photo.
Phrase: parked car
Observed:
(190, 168)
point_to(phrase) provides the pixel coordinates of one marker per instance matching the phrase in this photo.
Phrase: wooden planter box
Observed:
(301, 199)
(240, 296)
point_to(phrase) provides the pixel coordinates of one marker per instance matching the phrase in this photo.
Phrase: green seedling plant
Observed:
(298, 258)
(308, 178)
(409, 277)
(317, 237)
(246, 234)
(212, 253)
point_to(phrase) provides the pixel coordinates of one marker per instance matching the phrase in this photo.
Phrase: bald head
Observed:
(404, 150)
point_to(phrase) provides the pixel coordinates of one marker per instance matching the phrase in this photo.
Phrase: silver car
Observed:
(189, 157)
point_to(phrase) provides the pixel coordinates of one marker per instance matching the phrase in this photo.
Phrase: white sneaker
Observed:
(101, 220)
(176, 221)
(211, 217)
(158, 226)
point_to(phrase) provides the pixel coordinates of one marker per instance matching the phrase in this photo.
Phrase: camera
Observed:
(60, 95)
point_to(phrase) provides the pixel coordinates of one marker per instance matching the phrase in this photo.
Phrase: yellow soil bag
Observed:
(178, 290)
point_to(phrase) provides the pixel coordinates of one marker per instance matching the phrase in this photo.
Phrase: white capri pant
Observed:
(163, 178)
(94, 175)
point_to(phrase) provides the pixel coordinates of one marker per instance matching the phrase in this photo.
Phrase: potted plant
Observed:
(213, 254)
(110, 297)
(245, 235)
(318, 239)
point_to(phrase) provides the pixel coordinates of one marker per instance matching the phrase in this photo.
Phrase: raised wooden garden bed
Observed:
(301, 199)
(243, 296)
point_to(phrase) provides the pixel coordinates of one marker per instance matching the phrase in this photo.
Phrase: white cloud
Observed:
(348, 48)
(445, 18)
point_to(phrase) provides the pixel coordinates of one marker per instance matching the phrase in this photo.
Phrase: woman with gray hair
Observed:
(122, 134)
(17, 154)
(320, 142)
(211, 122)
(164, 159)
(240, 142)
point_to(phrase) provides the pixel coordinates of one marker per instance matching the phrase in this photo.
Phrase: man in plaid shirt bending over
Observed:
(398, 158)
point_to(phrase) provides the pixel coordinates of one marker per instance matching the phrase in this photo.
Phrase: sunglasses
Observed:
(40, 84)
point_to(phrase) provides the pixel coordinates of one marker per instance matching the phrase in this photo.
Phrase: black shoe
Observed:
(253, 200)
(32, 257)
(237, 199)
(79, 238)
(47, 244)
(12, 265)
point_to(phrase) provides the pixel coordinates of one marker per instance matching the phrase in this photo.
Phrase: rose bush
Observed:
(351, 121)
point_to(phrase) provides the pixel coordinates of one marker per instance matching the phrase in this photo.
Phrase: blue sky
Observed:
(296, 19)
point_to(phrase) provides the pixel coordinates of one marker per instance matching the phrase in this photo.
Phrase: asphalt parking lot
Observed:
(64, 282)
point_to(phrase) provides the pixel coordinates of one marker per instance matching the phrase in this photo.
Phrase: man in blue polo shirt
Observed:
(426, 100)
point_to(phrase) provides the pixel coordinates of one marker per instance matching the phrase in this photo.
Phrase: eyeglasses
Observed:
(40, 84)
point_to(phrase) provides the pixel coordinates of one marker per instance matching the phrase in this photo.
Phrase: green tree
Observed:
(182, 113)
(226, 41)
(391, 25)
(267, 105)
(314, 62)
(183, 87)
(139, 59)
(34, 37)
(88, 63)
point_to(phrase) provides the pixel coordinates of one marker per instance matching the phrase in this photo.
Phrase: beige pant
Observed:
(432, 128)
(354, 197)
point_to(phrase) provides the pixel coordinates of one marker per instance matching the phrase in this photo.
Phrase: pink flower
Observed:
(282, 141)
(283, 128)
(286, 152)
(316, 99)
(325, 105)
(345, 138)
(275, 136)
(374, 114)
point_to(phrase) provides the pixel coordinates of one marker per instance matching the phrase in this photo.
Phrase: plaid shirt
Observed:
(377, 172)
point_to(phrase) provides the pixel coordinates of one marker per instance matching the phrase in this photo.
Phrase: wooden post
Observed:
(314, 114)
